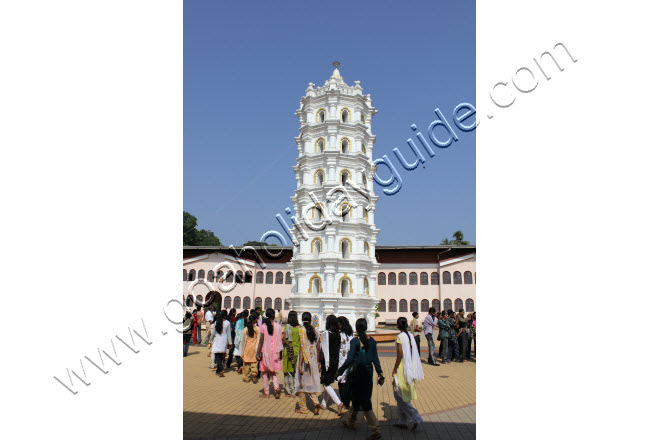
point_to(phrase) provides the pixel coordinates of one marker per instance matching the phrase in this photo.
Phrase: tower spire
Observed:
(336, 72)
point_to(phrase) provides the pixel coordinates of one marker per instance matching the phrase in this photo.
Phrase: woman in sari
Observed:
(291, 342)
(407, 370)
(330, 345)
(270, 348)
(362, 356)
(308, 380)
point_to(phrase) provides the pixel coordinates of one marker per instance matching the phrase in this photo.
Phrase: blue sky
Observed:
(246, 66)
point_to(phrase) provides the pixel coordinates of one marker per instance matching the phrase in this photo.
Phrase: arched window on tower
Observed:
(364, 148)
(320, 145)
(402, 279)
(412, 278)
(316, 248)
(458, 304)
(344, 146)
(446, 277)
(391, 305)
(391, 278)
(316, 285)
(365, 214)
(321, 116)
(345, 245)
(345, 212)
(468, 277)
(403, 306)
(279, 278)
(344, 177)
(469, 305)
(269, 277)
(364, 180)
(260, 278)
(382, 279)
(366, 248)
(414, 306)
(287, 278)
(362, 119)
(382, 306)
(319, 177)
(458, 279)
(201, 274)
(345, 287)
(366, 286)
(191, 275)
(425, 305)
(424, 279)
(446, 304)
(344, 115)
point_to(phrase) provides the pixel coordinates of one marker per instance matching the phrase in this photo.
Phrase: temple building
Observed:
(409, 279)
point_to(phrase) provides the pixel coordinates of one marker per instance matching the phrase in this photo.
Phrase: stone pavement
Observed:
(219, 408)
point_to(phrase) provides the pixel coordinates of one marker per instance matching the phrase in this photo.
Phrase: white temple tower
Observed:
(334, 264)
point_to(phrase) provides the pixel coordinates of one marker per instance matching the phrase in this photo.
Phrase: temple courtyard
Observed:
(221, 408)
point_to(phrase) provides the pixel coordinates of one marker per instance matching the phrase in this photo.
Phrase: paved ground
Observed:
(218, 408)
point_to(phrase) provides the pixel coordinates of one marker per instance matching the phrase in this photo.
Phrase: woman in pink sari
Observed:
(270, 349)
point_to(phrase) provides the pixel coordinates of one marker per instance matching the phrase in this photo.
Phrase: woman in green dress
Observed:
(291, 343)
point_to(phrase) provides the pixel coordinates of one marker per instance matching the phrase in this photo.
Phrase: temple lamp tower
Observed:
(334, 264)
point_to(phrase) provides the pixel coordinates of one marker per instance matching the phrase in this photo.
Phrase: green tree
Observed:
(194, 237)
(458, 239)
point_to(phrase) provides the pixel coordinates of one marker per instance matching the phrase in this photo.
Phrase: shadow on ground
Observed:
(202, 426)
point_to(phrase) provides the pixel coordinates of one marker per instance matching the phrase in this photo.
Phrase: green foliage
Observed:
(377, 310)
(458, 239)
(194, 237)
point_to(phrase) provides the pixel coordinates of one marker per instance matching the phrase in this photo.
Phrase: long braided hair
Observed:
(270, 316)
(309, 329)
(361, 328)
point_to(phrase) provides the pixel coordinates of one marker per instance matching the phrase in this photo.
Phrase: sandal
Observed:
(316, 409)
(300, 412)
(340, 408)
(277, 394)
(254, 379)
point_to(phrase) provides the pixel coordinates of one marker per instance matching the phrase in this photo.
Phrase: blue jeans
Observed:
(186, 344)
(429, 340)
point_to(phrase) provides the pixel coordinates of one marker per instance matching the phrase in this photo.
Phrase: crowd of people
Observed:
(311, 361)
(457, 335)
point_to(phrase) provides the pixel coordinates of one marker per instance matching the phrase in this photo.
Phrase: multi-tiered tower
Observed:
(334, 263)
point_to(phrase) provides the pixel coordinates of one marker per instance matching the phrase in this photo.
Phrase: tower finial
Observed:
(336, 64)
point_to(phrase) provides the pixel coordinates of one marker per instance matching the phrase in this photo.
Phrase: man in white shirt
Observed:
(429, 322)
(208, 317)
